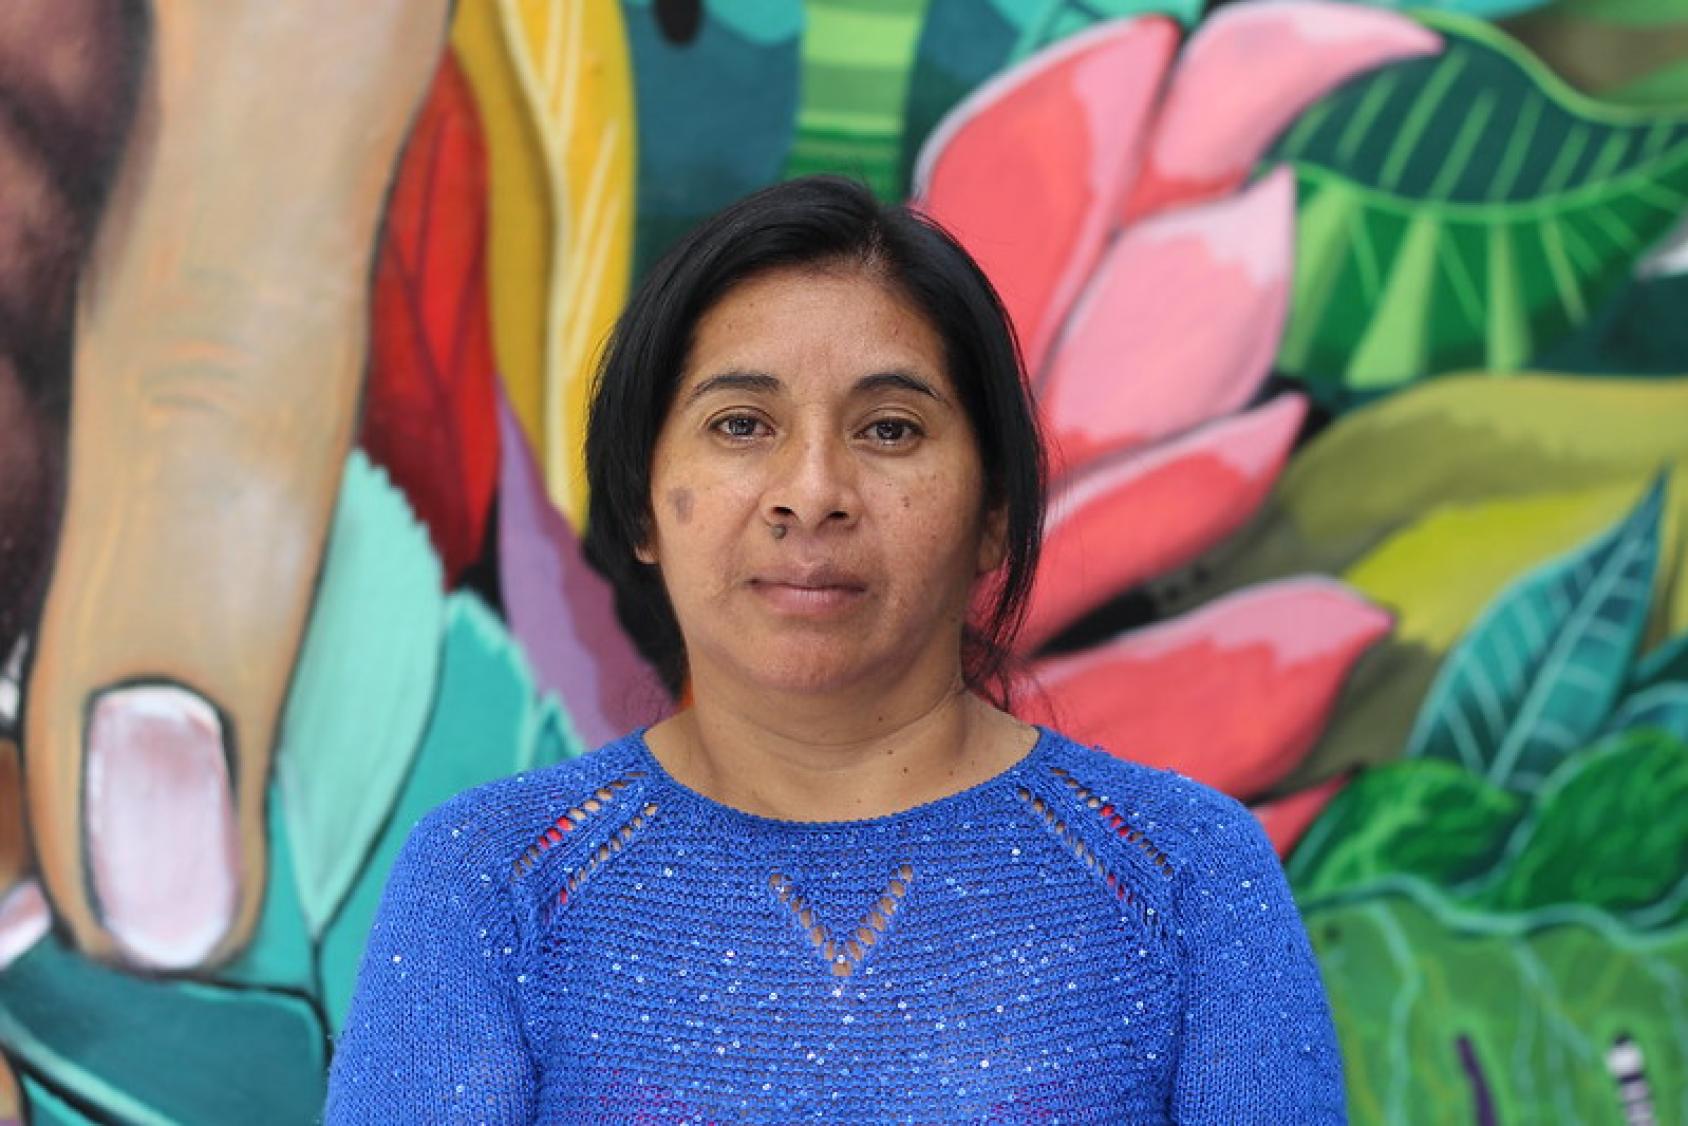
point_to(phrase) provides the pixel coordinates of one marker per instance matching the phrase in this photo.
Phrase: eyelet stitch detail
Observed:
(842, 956)
(1114, 821)
(617, 841)
(570, 821)
(1120, 888)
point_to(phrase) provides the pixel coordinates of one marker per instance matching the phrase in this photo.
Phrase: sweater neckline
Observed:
(939, 807)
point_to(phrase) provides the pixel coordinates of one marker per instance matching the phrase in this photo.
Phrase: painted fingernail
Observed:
(162, 840)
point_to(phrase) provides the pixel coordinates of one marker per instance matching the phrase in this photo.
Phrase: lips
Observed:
(809, 590)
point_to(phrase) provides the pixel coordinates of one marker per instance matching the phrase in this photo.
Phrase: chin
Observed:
(814, 667)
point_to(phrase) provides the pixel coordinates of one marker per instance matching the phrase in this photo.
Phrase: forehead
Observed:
(813, 326)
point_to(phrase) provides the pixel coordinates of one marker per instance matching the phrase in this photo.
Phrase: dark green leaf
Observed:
(1423, 817)
(1465, 210)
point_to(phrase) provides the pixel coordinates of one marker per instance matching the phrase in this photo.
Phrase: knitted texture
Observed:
(1077, 940)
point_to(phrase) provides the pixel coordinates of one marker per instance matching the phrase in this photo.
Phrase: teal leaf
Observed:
(1465, 210)
(762, 22)
(1658, 707)
(717, 112)
(1667, 661)
(361, 690)
(133, 1049)
(486, 724)
(281, 953)
(1482, 9)
(46, 1108)
(1538, 672)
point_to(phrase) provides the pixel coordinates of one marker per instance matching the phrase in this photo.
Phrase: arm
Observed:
(434, 1033)
(1257, 1042)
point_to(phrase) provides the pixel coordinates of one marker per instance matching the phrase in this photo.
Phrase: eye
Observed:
(739, 427)
(893, 431)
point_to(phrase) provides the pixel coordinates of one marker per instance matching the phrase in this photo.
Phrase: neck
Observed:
(836, 758)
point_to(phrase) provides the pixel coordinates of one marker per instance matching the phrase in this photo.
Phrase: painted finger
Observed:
(218, 357)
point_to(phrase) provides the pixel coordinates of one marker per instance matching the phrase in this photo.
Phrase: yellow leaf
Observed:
(1472, 438)
(519, 210)
(1439, 573)
(572, 60)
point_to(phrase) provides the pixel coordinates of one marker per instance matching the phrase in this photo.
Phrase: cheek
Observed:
(680, 502)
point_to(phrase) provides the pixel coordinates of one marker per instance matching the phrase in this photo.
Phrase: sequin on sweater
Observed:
(1078, 940)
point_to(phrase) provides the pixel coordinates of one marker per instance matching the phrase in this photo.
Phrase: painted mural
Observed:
(1360, 336)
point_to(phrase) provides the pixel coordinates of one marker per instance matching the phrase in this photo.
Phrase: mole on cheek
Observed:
(681, 500)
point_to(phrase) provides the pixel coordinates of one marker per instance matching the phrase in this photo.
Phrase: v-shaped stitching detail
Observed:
(844, 955)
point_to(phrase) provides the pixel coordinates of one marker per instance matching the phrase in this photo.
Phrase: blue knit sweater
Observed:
(1078, 940)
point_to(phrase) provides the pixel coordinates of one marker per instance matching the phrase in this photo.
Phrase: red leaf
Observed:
(1029, 170)
(1286, 819)
(1178, 325)
(430, 417)
(1233, 694)
(1214, 125)
(1125, 521)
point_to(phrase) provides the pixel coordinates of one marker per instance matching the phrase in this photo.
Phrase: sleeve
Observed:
(1257, 1041)
(433, 1033)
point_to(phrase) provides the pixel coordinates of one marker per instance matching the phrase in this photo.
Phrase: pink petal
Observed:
(1030, 170)
(1179, 326)
(561, 610)
(1233, 694)
(1142, 515)
(1246, 73)
(1286, 819)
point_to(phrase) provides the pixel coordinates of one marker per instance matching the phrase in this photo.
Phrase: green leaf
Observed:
(1537, 674)
(1605, 831)
(965, 43)
(362, 687)
(137, 1050)
(1424, 817)
(1667, 86)
(1439, 1008)
(1634, 12)
(487, 723)
(1463, 210)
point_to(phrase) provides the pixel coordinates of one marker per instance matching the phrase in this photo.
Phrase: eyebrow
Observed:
(763, 383)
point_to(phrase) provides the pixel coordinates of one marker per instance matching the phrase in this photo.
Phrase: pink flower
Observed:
(1103, 187)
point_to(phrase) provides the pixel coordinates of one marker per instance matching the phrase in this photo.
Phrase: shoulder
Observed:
(487, 828)
(1193, 830)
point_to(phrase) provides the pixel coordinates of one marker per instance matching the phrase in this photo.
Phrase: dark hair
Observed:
(816, 221)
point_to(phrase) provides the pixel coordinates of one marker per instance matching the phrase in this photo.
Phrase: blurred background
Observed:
(1361, 337)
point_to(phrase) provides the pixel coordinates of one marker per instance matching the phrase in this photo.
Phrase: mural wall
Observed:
(1361, 339)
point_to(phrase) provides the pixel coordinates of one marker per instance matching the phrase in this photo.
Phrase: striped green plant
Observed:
(1463, 210)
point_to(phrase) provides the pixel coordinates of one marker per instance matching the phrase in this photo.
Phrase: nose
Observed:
(812, 483)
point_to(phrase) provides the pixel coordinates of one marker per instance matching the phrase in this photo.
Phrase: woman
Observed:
(840, 885)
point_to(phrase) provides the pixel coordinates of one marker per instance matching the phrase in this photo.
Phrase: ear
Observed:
(993, 542)
(645, 554)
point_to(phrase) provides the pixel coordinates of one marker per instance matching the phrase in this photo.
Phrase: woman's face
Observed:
(817, 401)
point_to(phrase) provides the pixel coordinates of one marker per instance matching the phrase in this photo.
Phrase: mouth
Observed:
(809, 592)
